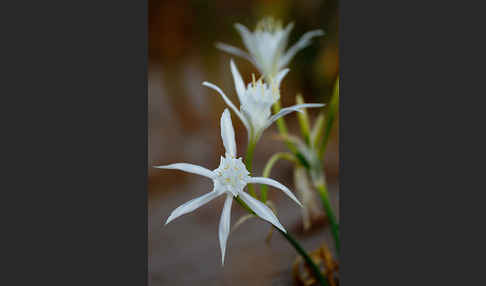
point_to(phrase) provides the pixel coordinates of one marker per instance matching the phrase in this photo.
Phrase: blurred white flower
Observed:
(266, 45)
(229, 179)
(256, 101)
(310, 209)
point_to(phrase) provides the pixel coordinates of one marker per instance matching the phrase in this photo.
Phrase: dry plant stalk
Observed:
(323, 258)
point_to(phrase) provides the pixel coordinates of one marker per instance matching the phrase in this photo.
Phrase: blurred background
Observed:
(184, 127)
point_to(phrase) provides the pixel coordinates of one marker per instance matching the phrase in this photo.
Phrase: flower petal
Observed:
(284, 37)
(228, 102)
(261, 210)
(228, 133)
(287, 31)
(290, 109)
(192, 205)
(278, 78)
(235, 51)
(239, 84)
(246, 36)
(273, 183)
(224, 225)
(304, 41)
(190, 168)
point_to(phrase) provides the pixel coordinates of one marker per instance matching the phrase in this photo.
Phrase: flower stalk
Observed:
(322, 189)
(249, 162)
(303, 118)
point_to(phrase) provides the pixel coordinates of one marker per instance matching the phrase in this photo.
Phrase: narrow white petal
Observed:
(273, 183)
(278, 78)
(228, 133)
(192, 205)
(246, 36)
(288, 29)
(190, 168)
(235, 51)
(239, 84)
(285, 36)
(229, 103)
(304, 41)
(261, 210)
(224, 225)
(290, 109)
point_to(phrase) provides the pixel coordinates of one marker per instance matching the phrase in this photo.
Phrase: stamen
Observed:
(269, 24)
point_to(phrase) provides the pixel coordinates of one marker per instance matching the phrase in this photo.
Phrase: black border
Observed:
(75, 109)
(74, 112)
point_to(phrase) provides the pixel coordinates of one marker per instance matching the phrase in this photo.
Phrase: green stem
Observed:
(330, 214)
(268, 169)
(315, 269)
(331, 116)
(248, 163)
(303, 118)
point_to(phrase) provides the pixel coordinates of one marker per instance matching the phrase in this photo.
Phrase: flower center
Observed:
(269, 25)
(257, 103)
(232, 175)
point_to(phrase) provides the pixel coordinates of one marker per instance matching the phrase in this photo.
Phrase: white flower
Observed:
(256, 101)
(266, 45)
(229, 179)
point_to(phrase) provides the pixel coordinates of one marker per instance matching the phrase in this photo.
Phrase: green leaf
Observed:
(303, 118)
(331, 116)
(317, 130)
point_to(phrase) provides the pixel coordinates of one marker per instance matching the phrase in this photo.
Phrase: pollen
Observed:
(269, 24)
(232, 175)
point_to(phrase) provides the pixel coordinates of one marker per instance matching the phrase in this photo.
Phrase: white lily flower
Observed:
(256, 101)
(229, 179)
(266, 45)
